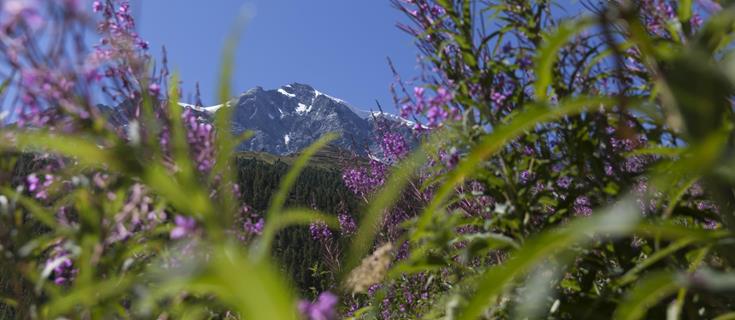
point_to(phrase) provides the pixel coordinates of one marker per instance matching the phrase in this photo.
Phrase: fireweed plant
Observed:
(546, 116)
(567, 165)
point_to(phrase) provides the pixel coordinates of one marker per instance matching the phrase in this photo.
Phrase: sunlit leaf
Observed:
(647, 293)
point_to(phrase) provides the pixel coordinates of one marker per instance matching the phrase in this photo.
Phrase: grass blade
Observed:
(646, 294)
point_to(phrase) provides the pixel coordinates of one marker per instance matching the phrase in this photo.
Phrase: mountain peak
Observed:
(254, 90)
(287, 119)
(299, 86)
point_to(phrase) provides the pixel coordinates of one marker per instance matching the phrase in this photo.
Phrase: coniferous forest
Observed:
(317, 187)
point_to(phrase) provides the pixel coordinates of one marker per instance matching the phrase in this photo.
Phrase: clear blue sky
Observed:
(337, 46)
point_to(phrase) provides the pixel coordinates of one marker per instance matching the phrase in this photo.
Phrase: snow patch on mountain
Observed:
(317, 93)
(210, 109)
(285, 93)
(378, 114)
(302, 108)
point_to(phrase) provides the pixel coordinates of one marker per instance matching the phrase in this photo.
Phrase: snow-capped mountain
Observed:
(290, 118)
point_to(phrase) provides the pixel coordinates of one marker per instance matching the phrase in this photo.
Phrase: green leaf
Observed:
(632, 274)
(701, 103)
(192, 203)
(657, 151)
(33, 207)
(8, 301)
(684, 11)
(225, 142)
(726, 316)
(87, 294)
(547, 54)
(179, 145)
(255, 289)
(717, 32)
(675, 308)
(617, 220)
(646, 294)
(84, 149)
(671, 231)
(4, 85)
(490, 239)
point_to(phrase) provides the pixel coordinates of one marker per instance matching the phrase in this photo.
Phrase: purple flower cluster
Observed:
(118, 24)
(526, 176)
(39, 187)
(184, 226)
(21, 13)
(394, 146)
(320, 231)
(660, 14)
(646, 196)
(582, 206)
(364, 180)
(620, 145)
(43, 42)
(254, 225)
(200, 135)
(626, 144)
(45, 83)
(61, 265)
(392, 225)
(476, 203)
(137, 214)
(324, 308)
(564, 182)
(449, 158)
(405, 298)
(707, 205)
(436, 109)
(425, 13)
(121, 55)
(154, 89)
(347, 224)
(498, 99)
(432, 10)
(40, 86)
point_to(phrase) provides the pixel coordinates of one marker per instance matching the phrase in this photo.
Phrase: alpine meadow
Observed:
(550, 159)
